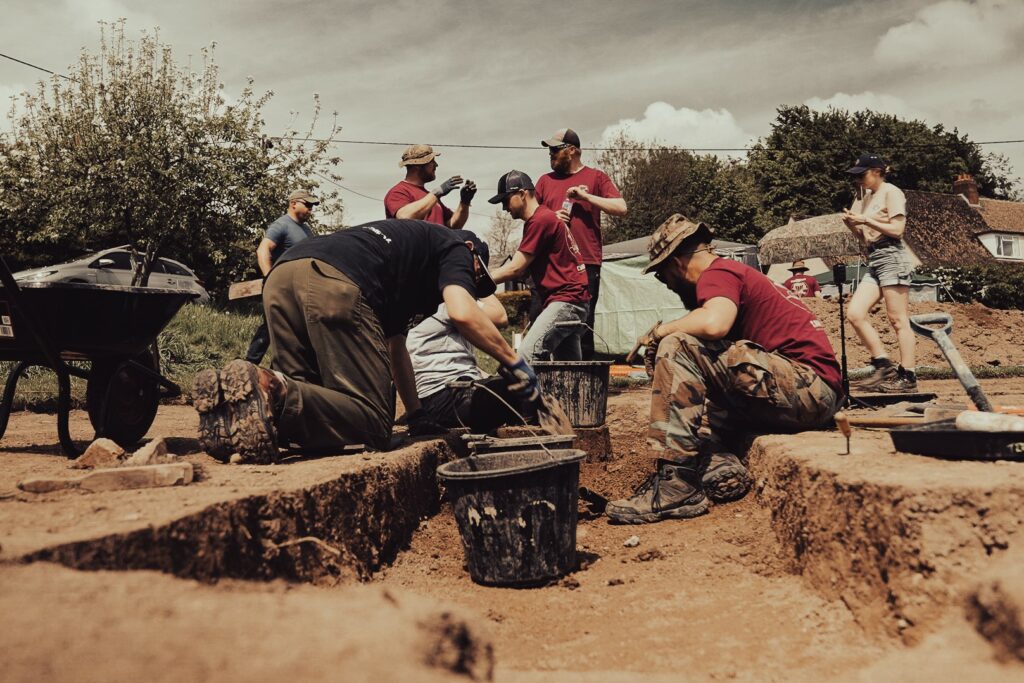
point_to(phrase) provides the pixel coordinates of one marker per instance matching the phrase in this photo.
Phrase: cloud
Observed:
(882, 103)
(955, 33)
(664, 124)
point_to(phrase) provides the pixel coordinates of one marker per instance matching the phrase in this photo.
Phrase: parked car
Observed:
(113, 267)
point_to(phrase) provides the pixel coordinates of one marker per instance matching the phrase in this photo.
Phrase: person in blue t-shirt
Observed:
(282, 234)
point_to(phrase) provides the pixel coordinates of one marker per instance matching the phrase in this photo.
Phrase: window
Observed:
(1005, 246)
(122, 260)
(173, 268)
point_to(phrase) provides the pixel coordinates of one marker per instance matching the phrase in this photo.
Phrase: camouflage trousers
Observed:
(704, 391)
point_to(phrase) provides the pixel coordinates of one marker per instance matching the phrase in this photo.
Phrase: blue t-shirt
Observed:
(286, 233)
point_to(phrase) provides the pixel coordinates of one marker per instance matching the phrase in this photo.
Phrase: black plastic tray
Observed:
(942, 439)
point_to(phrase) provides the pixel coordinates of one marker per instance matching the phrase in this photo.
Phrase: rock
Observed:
(116, 478)
(615, 582)
(100, 453)
(648, 555)
(631, 542)
(236, 459)
(153, 453)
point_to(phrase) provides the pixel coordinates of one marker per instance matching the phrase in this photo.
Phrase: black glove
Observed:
(447, 186)
(422, 424)
(467, 193)
(521, 380)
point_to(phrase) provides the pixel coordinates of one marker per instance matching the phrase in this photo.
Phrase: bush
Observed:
(517, 306)
(1000, 285)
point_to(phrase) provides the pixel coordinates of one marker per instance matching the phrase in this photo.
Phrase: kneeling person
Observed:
(748, 354)
(549, 251)
(337, 307)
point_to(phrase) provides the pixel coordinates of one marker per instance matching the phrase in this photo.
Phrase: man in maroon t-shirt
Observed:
(410, 198)
(549, 251)
(579, 194)
(800, 283)
(748, 354)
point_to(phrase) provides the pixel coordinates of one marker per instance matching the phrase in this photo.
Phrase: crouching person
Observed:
(748, 355)
(337, 307)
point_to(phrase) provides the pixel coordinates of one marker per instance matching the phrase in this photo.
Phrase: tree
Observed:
(799, 167)
(501, 236)
(657, 182)
(131, 148)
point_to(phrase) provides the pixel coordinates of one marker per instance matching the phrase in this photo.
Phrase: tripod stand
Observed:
(839, 277)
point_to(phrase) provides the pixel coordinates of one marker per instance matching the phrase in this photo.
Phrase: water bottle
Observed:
(567, 206)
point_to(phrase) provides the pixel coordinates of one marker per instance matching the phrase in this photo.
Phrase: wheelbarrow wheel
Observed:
(121, 401)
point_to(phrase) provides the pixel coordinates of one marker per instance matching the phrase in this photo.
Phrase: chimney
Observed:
(965, 186)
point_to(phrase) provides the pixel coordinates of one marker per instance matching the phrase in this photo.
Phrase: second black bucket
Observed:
(581, 386)
(516, 514)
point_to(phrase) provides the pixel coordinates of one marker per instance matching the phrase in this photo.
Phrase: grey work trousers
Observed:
(329, 344)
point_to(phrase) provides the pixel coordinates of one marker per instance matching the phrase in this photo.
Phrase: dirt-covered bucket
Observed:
(481, 443)
(516, 513)
(581, 386)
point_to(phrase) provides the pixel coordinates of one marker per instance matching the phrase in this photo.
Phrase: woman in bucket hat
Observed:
(878, 218)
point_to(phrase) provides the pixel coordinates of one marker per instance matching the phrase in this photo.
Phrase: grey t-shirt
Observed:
(439, 354)
(285, 232)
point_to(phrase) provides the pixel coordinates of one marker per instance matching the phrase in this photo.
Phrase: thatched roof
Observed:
(1002, 216)
(941, 230)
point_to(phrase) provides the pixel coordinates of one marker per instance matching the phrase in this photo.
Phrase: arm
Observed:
(459, 217)
(613, 206)
(401, 372)
(494, 311)
(263, 255)
(880, 222)
(418, 209)
(474, 325)
(711, 321)
(514, 269)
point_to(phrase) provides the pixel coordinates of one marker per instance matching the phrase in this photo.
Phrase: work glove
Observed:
(422, 424)
(521, 381)
(448, 185)
(467, 193)
(650, 354)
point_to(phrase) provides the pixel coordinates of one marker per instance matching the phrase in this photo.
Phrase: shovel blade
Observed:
(552, 416)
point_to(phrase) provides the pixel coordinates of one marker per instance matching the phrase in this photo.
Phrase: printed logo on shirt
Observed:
(574, 248)
(378, 233)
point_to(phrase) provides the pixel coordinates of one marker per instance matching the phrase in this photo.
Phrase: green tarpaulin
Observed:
(629, 304)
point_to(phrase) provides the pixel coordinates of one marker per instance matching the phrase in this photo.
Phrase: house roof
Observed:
(638, 246)
(941, 230)
(1002, 216)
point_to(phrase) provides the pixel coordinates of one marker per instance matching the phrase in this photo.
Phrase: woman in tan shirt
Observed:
(877, 218)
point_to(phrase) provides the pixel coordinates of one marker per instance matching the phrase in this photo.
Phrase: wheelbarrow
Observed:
(114, 328)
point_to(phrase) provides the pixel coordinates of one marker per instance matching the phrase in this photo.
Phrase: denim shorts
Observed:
(889, 266)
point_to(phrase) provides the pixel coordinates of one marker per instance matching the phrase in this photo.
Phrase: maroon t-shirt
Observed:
(802, 285)
(771, 316)
(557, 269)
(405, 193)
(585, 218)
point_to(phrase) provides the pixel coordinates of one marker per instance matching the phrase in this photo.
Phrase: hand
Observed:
(563, 216)
(851, 218)
(422, 424)
(521, 380)
(467, 193)
(577, 192)
(650, 343)
(448, 185)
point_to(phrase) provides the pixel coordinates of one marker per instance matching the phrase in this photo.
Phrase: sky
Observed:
(696, 74)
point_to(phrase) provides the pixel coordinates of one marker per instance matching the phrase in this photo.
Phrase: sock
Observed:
(881, 362)
(909, 373)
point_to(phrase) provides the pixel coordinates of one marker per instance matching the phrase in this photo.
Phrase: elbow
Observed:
(619, 210)
(405, 213)
(501, 319)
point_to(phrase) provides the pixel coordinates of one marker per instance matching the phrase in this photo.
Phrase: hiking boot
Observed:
(671, 492)
(237, 411)
(726, 479)
(884, 371)
(905, 382)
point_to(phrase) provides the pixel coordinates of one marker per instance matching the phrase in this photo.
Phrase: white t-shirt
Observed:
(888, 202)
(439, 353)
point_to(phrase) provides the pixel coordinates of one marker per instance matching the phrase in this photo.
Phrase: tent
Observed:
(631, 302)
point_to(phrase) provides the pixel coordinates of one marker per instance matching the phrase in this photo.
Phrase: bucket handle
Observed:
(579, 323)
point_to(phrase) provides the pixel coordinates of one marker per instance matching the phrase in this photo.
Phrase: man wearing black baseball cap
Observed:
(338, 307)
(550, 253)
(578, 195)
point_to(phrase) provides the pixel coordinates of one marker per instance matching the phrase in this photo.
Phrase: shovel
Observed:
(941, 337)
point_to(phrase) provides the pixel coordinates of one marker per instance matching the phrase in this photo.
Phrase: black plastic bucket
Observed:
(481, 443)
(516, 513)
(581, 386)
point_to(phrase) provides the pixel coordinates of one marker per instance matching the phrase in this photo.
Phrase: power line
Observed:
(334, 182)
(35, 66)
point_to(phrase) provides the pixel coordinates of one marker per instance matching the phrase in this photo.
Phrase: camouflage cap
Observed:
(668, 236)
(417, 155)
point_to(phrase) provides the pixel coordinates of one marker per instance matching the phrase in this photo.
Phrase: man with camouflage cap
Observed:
(747, 354)
(410, 198)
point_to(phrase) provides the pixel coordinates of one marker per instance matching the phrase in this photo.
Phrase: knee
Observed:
(899, 320)
(856, 316)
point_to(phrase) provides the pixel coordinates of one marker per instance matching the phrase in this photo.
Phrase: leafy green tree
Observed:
(799, 168)
(659, 181)
(131, 148)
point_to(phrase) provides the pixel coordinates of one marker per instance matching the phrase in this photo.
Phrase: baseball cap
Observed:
(798, 266)
(513, 181)
(566, 136)
(668, 236)
(866, 161)
(479, 244)
(417, 155)
(302, 196)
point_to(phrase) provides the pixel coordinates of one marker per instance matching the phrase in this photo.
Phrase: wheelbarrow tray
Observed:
(941, 439)
(86, 320)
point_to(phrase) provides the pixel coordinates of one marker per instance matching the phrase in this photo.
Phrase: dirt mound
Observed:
(984, 336)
